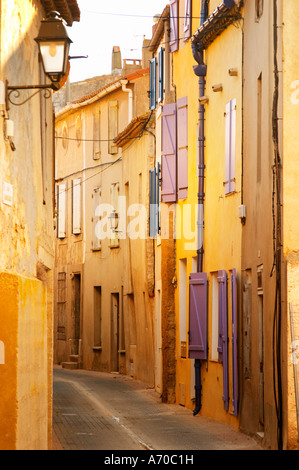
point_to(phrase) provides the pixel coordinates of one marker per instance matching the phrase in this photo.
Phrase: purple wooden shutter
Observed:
(168, 154)
(198, 304)
(182, 130)
(187, 24)
(234, 341)
(223, 332)
(174, 22)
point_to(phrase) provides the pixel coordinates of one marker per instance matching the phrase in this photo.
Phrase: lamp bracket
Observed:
(13, 93)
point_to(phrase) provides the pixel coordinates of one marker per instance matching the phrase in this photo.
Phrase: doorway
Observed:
(114, 332)
(76, 313)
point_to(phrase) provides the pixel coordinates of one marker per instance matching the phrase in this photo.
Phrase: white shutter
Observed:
(61, 210)
(230, 146)
(96, 241)
(76, 206)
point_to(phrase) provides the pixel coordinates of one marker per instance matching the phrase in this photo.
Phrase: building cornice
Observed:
(68, 9)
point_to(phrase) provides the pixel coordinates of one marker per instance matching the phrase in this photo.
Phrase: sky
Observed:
(109, 23)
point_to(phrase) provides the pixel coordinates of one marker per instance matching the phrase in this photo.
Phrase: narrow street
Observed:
(102, 411)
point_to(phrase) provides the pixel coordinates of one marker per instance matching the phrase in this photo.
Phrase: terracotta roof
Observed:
(132, 130)
(68, 9)
(130, 76)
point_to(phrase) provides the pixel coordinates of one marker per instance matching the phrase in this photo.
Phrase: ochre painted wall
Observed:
(24, 375)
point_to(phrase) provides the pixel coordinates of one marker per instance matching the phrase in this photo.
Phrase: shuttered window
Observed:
(96, 236)
(198, 316)
(174, 23)
(112, 126)
(187, 21)
(153, 83)
(61, 209)
(160, 75)
(230, 146)
(76, 218)
(169, 153)
(182, 132)
(223, 333)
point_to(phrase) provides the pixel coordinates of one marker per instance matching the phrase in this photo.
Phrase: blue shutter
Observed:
(198, 316)
(153, 66)
(234, 340)
(161, 75)
(223, 333)
(153, 206)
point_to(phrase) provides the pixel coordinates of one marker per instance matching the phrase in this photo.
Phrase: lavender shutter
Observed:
(198, 308)
(182, 131)
(174, 22)
(234, 341)
(168, 153)
(187, 23)
(223, 333)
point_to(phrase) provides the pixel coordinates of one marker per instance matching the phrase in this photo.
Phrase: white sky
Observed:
(109, 23)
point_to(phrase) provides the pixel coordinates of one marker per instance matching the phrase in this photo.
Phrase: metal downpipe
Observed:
(200, 71)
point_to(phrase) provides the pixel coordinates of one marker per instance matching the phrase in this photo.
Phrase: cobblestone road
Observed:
(98, 411)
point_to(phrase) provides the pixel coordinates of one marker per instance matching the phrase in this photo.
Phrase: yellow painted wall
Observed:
(222, 232)
(24, 375)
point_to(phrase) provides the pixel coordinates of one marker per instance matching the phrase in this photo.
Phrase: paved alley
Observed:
(102, 411)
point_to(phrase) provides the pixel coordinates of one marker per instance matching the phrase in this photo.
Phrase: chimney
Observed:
(116, 60)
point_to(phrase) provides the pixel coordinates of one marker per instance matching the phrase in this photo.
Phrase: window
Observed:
(61, 305)
(230, 146)
(61, 209)
(97, 309)
(112, 126)
(76, 219)
(97, 135)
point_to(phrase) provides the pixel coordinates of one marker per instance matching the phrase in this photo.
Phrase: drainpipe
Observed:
(128, 90)
(200, 71)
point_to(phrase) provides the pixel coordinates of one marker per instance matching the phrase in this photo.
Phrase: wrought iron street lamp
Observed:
(54, 45)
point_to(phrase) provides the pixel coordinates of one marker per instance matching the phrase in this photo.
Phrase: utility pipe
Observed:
(200, 71)
(128, 90)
